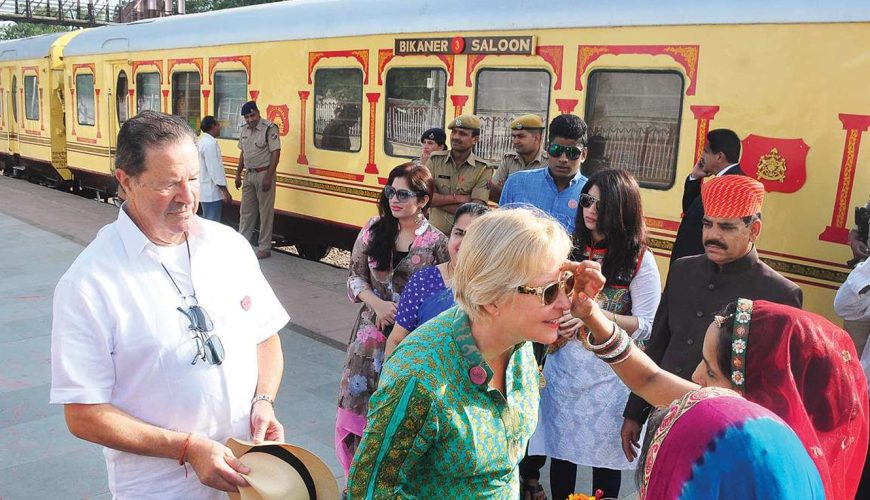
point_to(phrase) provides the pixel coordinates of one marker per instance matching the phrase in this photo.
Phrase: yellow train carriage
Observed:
(32, 132)
(788, 77)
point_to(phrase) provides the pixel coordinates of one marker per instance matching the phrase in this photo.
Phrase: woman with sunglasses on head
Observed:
(795, 364)
(430, 290)
(388, 250)
(458, 399)
(581, 407)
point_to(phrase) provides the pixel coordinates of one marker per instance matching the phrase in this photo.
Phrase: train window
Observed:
(337, 109)
(147, 92)
(31, 97)
(185, 98)
(123, 97)
(230, 93)
(15, 98)
(500, 96)
(85, 99)
(415, 103)
(634, 123)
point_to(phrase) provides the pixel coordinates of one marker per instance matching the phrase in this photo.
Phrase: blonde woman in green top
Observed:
(458, 400)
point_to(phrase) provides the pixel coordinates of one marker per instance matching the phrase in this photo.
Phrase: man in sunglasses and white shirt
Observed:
(556, 188)
(153, 355)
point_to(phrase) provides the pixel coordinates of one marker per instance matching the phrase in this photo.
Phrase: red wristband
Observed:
(184, 449)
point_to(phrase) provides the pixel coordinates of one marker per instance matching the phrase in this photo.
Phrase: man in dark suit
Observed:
(699, 286)
(720, 156)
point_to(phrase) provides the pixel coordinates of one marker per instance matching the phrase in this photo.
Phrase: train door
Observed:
(119, 105)
(13, 105)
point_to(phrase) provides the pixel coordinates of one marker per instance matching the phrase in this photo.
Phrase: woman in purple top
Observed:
(428, 293)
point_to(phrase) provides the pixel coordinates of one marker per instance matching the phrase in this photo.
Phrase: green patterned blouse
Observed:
(435, 427)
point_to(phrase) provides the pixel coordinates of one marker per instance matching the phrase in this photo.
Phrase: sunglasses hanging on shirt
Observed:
(209, 347)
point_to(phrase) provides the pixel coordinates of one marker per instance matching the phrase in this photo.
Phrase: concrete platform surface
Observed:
(41, 233)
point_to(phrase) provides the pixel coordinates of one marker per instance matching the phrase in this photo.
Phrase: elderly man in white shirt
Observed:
(153, 355)
(213, 191)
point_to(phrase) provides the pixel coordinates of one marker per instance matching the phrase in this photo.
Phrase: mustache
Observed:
(715, 243)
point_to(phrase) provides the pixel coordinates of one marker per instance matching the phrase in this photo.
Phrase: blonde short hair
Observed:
(502, 250)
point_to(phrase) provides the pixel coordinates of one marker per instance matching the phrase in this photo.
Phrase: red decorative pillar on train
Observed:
(165, 100)
(703, 114)
(458, 102)
(566, 106)
(72, 92)
(303, 97)
(373, 97)
(130, 102)
(2, 116)
(205, 94)
(41, 121)
(255, 94)
(855, 126)
(97, 98)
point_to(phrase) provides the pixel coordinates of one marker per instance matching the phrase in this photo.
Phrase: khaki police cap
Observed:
(527, 122)
(465, 121)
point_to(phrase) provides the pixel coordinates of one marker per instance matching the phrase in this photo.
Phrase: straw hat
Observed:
(282, 471)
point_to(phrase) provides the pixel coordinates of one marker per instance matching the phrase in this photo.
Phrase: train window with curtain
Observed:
(338, 109)
(31, 97)
(147, 92)
(85, 105)
(500, 96)
(230, 93)
(634, 123)
(185, 98)
(15, 98)
(415, 103)
(122, 97)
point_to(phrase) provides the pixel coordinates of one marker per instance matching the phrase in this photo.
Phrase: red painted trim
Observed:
(566, 106)
(855, 126)
(554, 56)
(685, 55)
(373, 97)
(303, 97)
(156, 63)
(336, 174)
(668, 225)
(703, 115)
(361, 55)
(86, 140)
(244, 60)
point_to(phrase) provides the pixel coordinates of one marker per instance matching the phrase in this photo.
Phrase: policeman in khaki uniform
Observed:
(527, 132)
(260, 150)
(460, 175)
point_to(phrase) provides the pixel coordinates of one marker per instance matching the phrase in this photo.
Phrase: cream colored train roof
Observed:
(305, 19)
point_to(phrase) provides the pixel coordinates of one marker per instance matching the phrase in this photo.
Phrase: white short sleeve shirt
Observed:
(118, 338)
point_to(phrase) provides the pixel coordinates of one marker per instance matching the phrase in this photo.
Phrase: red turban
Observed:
(732, 196)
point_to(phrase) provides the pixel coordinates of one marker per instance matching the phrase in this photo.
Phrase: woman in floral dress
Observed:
(388, 250)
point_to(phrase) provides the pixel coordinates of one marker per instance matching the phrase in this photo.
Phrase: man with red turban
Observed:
(699, 286)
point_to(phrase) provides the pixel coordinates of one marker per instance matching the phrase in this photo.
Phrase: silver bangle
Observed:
(263, 397)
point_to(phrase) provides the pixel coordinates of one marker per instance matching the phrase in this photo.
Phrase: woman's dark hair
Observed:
(471, 208)
(385, 230)
(723, 344)
(620, 220)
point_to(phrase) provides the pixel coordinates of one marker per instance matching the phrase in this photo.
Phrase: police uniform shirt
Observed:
(259, 143)
(512, 162)
(470, 178)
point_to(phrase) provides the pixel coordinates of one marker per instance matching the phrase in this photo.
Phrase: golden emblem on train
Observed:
(772, 166)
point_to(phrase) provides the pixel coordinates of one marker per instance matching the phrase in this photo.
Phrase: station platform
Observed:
(41, 233)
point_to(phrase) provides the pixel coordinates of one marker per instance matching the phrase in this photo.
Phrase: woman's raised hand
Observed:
(588, 282)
